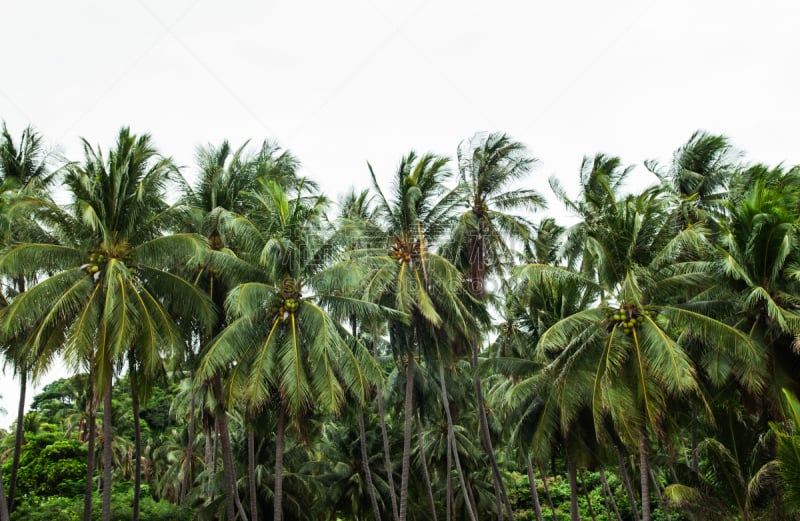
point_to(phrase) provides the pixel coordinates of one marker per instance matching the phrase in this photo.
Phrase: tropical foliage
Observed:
(434, 346)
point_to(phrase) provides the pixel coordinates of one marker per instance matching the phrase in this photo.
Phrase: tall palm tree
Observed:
(225, 177)
(636, 336)
(301, 361)
(24, 173)
(111, 286)
(407, 276)
(481, 241)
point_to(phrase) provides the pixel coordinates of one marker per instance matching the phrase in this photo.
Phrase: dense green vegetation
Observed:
(434, 347)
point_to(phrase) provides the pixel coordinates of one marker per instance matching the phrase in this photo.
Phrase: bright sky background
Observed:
(343, 83)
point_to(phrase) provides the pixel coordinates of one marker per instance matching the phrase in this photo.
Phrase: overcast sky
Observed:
(343, 83)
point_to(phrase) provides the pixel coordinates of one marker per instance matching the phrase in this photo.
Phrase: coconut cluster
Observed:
(96, 260)
(628, 317)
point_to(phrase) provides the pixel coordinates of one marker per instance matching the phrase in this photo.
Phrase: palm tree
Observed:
(758, 259)
(480, 243)
(225, 177)
(301, 361)
(422, 286)
(634, 338)
(23, 173)
(110, 284)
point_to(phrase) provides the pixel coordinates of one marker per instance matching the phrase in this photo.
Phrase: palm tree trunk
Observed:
(385, 435)
(452, 435)
(486, 438)
(663, 504)
(278, 489)
(450, 502)
(645, 479)
(227, 454)
(92, 427)
(137, 443)
(187, 460)
(573, 490)
(108, 455)
(3, 502)
(588, 499)
(547, 493)
(424, 461)
(537, 507)
(609, 493)
(251, 473)
(18, 436)
(365, 464)
(406, 463)
(628, 488)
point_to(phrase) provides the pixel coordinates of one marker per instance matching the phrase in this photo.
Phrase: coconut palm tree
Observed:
(424, 287)
(24, 173)
(635, 337)
(111, 286)
(225, 177)
(481, 241)
(301, 362)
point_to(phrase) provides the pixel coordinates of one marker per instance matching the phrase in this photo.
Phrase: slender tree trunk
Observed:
(240, 507)
(137, 440)
(409, 412)
(90, 461)
(452, 435)
(278, 489)
(108, 455)
(537, 507)
(645, 478)
(610, 493)
(547, 494)
(362, 431)
(486, 437)
(3, 501)
(251, 473)
(187, 460)
(425, 474)
(450, 501)
(588, 499)
(573, 491)
(385, 435)
(628, 488)
(661, 502)
(19, 435)
(227, 453)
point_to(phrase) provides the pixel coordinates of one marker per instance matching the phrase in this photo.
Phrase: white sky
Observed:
(342, 83)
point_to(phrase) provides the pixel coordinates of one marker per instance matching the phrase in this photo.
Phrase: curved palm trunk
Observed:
(486, 437)
(108, 456)
(449, 483)
(661, 502)
(409, 412)
(452, 436)
(90, 461)
(187, 459)
(628, 488)
(251, 473)
(227, 453)
(609, 493)
(588, 499)
(573, 490)
(365, 464)
(137, 442)
(278, 489)
(644, 470)
(537, 507)
(424, 463)
(385, 435)
(19, 434)
(547, 493)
